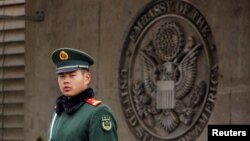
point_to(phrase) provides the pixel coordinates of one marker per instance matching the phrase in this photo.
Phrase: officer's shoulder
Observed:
(93, 102)
(98, 106)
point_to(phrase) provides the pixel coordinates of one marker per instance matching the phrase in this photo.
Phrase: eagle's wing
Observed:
(187, 70)
(149, 70)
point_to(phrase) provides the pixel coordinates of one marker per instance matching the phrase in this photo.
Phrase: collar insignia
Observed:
(93, 102)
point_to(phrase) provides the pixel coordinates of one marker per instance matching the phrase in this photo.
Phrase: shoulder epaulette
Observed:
(93, 102)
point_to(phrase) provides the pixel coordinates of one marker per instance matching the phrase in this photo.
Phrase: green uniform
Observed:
(88, 123)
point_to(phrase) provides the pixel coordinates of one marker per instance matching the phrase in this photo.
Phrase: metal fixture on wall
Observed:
(39, 17)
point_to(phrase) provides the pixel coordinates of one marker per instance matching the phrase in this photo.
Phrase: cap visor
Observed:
(66, 70)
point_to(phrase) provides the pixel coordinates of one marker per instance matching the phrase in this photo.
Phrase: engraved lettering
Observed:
(205, 30)
(196, 132)
(214, 75)
(159, 9)
(147, 17)
(198, 19)
(198, 128)
(201, 23)
(145, 136)
(188, 137)
(169, 5)
(133, 120)
(208, 109)
(203, 120)
(124, 93)
(135, 32)
(211, 97)
(124, 84)
(124, 74)
(210, 106)
(126, 101)
(183, 8)
(139, 132)
(129, 111)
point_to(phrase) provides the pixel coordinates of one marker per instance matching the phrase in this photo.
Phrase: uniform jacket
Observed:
(90, 122)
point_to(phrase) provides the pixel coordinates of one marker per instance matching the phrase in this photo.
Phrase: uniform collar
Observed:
(72, 104)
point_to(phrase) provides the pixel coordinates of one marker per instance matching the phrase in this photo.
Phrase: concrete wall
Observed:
(98, 27)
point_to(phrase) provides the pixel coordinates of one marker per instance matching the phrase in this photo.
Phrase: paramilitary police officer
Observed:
(78, 116)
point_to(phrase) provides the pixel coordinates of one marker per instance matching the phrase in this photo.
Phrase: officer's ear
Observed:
(86, 74)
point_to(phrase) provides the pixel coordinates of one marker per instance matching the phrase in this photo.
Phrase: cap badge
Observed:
(63, 55)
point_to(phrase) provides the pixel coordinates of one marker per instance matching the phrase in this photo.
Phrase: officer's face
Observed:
(72, 83)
